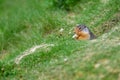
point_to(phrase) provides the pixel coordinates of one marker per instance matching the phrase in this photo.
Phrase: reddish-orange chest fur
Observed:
(81, 35)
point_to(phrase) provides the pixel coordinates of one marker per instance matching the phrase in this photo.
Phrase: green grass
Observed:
(26, 23)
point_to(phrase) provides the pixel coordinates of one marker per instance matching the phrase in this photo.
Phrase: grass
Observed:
(27, 23)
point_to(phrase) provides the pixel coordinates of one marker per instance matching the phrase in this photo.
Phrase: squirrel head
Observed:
(79, 28)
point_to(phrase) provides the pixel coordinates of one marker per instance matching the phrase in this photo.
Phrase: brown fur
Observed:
(81, 35)
(82, 32)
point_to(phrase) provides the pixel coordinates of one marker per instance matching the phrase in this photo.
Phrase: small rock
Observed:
(61, 30)
(65, 59)
(97, 65)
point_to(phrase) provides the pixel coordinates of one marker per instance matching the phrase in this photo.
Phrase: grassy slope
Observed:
(33, 24)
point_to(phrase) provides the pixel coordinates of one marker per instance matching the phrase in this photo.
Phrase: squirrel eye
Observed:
(79, 28)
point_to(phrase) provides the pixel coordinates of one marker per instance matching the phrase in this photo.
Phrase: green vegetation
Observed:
(65, 4)
(27, 23)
